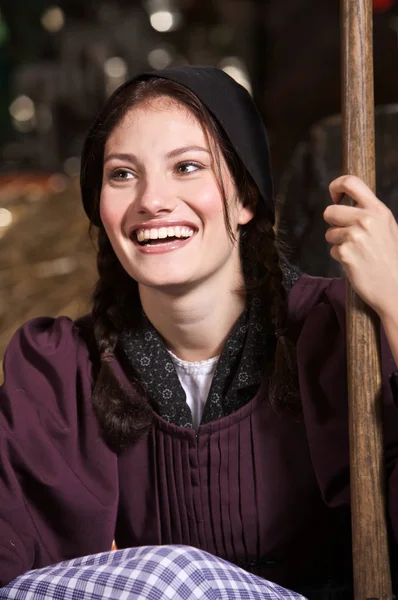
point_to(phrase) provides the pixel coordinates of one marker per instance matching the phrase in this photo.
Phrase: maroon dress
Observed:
(266, 492)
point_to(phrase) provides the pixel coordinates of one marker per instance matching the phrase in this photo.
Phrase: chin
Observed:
(171, 286)
(164, 283)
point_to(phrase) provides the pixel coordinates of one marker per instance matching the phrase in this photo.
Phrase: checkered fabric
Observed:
(152, 572)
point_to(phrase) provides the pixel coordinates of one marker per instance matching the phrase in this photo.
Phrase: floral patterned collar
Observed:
(240, 369)
(237, 377)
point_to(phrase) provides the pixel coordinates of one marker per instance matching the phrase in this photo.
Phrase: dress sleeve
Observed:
(50, 486)
(321, 352)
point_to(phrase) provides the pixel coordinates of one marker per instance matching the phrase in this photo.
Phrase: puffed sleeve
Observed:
(319, 306)
(58, 488)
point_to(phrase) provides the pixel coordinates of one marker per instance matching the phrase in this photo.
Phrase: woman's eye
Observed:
(121, 174)
(188, 167)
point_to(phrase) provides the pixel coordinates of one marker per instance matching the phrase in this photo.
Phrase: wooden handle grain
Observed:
(372, 578)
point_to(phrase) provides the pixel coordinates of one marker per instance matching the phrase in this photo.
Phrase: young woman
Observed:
(201, 407)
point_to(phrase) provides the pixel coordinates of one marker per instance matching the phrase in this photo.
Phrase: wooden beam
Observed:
(372, 578)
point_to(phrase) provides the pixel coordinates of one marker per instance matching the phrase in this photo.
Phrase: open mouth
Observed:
(163, 235)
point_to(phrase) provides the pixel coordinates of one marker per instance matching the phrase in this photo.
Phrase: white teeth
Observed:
(163, 232)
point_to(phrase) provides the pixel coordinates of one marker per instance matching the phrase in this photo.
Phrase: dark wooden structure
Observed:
(371, 569)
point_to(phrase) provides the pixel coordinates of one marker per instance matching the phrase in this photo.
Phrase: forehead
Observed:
(160, 119)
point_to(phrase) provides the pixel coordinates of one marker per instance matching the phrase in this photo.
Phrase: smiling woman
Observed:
(178, 418)
(179, 168)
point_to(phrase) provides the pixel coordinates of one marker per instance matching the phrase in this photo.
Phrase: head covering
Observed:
(232, 106)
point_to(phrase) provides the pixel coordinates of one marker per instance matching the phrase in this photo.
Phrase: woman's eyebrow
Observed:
(178, 151)
(120, 156)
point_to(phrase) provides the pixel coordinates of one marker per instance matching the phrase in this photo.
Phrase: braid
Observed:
(283, 389)
(122, 417)
(262, 259)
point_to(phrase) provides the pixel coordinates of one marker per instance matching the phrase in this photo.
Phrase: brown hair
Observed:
(124, 417)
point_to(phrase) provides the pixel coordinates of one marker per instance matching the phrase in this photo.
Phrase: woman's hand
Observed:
(364, 241)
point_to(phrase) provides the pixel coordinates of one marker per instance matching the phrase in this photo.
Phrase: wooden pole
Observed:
(372, 578)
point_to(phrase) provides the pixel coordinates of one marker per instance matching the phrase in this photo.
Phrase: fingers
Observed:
(341, 216)
(346, 244)
(341, 255)
(355, 188)
(367, 207)
(336, 236)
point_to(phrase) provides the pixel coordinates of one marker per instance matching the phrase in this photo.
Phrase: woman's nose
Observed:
(155, 195)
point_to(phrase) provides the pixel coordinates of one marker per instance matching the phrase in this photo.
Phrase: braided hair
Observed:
(123, 417)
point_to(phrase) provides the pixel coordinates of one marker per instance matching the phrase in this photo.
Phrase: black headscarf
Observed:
(233, 108)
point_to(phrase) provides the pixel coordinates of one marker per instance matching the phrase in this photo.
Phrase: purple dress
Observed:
(266, 492)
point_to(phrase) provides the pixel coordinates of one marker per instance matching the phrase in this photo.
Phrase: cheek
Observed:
(111, 211)
(209, 200)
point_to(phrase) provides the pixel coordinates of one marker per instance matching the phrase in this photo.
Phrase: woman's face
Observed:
(161, 205)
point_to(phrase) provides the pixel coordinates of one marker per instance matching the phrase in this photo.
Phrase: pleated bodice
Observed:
(242, 488)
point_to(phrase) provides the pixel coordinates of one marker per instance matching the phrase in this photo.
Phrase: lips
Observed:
(161, 246)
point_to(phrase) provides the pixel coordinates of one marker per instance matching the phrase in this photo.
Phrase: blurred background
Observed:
(60, 60)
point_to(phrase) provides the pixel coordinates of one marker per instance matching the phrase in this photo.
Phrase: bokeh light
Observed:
(5, 218)
(22, 109)
(116, 71)
(234, 67)
(3, 30)
(72, 166)
(162, 20)
(115, 67)
(53, 19)
(23, 113)
(159, 58)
